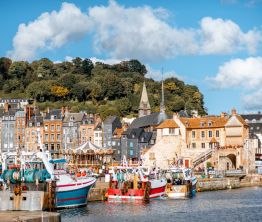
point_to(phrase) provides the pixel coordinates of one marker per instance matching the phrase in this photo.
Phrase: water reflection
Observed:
(230, 205)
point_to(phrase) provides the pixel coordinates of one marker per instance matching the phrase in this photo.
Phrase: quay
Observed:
(212, 184)
(29, 216)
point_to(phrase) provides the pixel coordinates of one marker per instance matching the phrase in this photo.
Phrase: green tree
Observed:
(40, 91)
(5, 64)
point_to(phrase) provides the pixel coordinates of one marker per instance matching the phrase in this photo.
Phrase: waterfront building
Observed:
(34, 124)
(86, 129)
(71, 129)
(116, 143)
(8, 133)
(254, 121)
(98, 135)
(221, 140)
(167, 148)
(109, 126)
(20, 124)
(53, 131)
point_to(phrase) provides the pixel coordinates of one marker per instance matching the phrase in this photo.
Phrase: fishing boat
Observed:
(70, 190)
(133, 184)
(181, 183)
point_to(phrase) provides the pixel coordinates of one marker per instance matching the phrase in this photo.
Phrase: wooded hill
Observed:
(99, 88)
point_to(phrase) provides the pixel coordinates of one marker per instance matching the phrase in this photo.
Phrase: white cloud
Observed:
(245, 73)
(253, 101)
(106, 61)
(49, 31)
(138, 33)
(131, 32)
(224, 37)
(156, 74)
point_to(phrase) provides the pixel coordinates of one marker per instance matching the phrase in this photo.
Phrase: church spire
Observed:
(144, 106)
(162, 104)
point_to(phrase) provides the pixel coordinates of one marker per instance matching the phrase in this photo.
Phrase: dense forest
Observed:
(102, 88)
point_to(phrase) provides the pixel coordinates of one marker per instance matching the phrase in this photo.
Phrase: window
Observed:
(131, 144)
(52, 138)
(131, 152)
(46, 127)
(202, 124)
(30, 124)
(210, 145)
(46, 136)
(52, 146)
(96, 134)
(113, 143)
(58, 127)
(58, 146)
(37, 124)
(52, 127)
(209, 133)
(257, 127)
(58, 137)
(203, 145)
(172, 131)
(193, 134)
(203, 134)
(84, 131)
(193, 145)
(209, 123)
(70, 124)
(217, 133)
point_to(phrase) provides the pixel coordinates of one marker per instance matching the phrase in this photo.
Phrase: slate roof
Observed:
(110, 119)
(75, 117)
(153, 119)
(250, 117)
(183, 113)
(37, 119)
(146, 137)
(98, 127)
(55, 112)
(132, 133)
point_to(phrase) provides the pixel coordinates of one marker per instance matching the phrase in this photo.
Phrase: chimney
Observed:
(66, 110)
(6, 107)
(234, 112)
(63, 111)
(223, 114)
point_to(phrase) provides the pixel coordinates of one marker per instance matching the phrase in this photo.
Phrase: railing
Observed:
(202, 157)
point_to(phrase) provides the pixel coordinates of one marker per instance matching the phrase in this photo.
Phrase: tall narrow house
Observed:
(144, 106)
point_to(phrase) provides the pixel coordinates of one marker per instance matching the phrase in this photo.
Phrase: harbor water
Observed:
(229, 205)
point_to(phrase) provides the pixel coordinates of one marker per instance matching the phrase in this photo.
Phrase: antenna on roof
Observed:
(162, 104)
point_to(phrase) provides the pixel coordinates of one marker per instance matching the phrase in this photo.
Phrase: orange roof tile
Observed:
(204, 122)
(168, 123)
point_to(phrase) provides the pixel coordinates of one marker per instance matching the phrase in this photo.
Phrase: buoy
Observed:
(84, 173)
(78, 174)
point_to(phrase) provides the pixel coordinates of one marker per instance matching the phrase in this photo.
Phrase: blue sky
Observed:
(215, 45)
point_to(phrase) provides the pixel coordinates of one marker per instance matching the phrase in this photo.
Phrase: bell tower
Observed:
(144, 106)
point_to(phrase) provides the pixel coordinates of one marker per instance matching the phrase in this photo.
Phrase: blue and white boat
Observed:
(71, 191)
(181, 183)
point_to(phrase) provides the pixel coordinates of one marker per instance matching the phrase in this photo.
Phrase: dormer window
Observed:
(52, 117)
(253, 120)
(72, 118)
(209, 123)
(202, 124)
